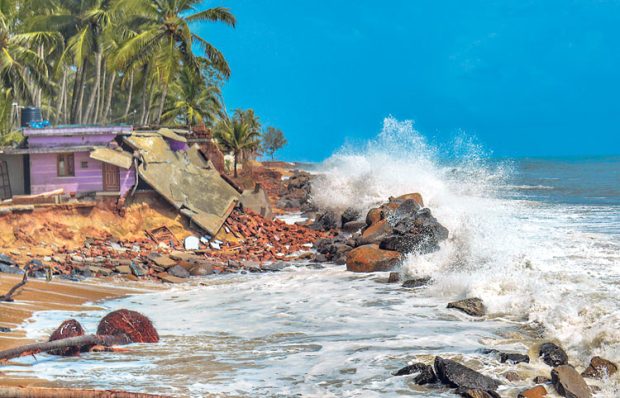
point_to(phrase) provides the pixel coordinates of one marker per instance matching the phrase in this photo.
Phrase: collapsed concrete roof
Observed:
(118, 158)
(185, 179)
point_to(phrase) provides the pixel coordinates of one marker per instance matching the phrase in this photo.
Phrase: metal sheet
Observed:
(117, 158)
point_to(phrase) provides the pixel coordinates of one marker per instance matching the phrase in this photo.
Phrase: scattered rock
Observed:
(4, 330)
(477, 393)
(69, 328)
(471, 306)
(600, 368)
(394, 277)
(541, 380)
(424, 373)
(512, 376)
(201, 270)
(417, 282)
(10, 269)
(411, 196)
(134, 325)
(353, 226)
(349, 215)
(325, 221)
(374, 216)
(553, 355)
(123, 269)
(513, 358)
(178, 271)
(459, 376)
(376, 232)
(569, 383)
(536, 392)
(166, 277)
(370, 258)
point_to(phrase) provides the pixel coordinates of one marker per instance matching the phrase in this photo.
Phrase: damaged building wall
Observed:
(88, 174)
(15, 165)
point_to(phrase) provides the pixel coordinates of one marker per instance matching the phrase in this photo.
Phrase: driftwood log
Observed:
(79, 341)
(38, 392)
(9, 295)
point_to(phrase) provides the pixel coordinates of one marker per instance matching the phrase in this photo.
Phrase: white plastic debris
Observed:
(205, 239)
(215, 245)
(192, 243)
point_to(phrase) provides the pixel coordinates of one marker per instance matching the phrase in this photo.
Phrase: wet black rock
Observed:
(553, 355)
(178, 271)
(477, 393)
(541, 380)
(315, 266)
(417, 282)
(10, 269)
(353, 226)
(4, 330)
(424, 373)
(276, 266)
(471, 306)
(459, 376)
(513, 358)
(413, 231)
(326, 221)
(569, 383)
(350, 214)
(394, 277)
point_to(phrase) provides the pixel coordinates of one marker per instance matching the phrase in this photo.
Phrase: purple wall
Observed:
(43, 141)
(177, 145)
(43, 175)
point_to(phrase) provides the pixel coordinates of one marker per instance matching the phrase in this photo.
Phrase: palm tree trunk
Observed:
(95, 89)
(77, 83)
(61, 98)
(145, 84)
(100, 97)
(128, 107)
(162, 103)
(151, 96)
(80, 103)
(236, 155)
(108, 106)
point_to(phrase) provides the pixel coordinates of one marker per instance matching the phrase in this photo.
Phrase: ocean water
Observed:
(537, 239)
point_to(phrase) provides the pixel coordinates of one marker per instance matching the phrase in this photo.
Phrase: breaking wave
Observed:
(527, 260)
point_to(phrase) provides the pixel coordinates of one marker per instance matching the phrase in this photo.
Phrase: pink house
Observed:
(78, 159)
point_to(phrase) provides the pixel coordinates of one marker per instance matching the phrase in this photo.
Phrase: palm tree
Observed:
(249, 117)
(194, 101)
(237, 137)
(167, 41)
(22, 69)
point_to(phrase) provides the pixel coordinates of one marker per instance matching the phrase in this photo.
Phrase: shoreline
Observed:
(39, 296)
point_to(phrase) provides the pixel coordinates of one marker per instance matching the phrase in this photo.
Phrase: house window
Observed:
(84, 165)
(65, 165)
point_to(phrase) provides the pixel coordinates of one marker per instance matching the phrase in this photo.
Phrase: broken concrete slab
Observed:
(118, 158)
(186, 180)
(166, 277)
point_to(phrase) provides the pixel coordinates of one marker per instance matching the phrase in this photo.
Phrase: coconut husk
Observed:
(69, 328)
(134, 325)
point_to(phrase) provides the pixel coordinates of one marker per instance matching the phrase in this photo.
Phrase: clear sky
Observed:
(527, 78)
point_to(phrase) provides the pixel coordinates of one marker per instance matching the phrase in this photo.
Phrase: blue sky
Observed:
(526, 78)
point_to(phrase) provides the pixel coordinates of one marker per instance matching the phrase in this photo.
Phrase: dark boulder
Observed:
(326, 221)
(600, 368)
(513, 358)
(394, 277)
(178, 271)
(553, 355)
(353, 226)
(376, 232)
(459, 376)
(417, 282)
(541, 380)
(471, 306)
(350, 214)
(569, 383)
(477, 393)
(413, 231)
(424, 373)
(10, 269)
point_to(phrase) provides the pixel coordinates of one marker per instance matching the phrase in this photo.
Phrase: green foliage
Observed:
(236, 136)
(273, 139)
(102, 61)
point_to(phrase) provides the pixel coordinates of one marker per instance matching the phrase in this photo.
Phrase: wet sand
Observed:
(40, 295)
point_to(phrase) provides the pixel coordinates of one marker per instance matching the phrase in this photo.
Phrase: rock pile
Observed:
(296, 193)
(400, 226)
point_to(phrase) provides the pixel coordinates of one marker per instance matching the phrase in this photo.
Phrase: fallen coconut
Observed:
(134, 325)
